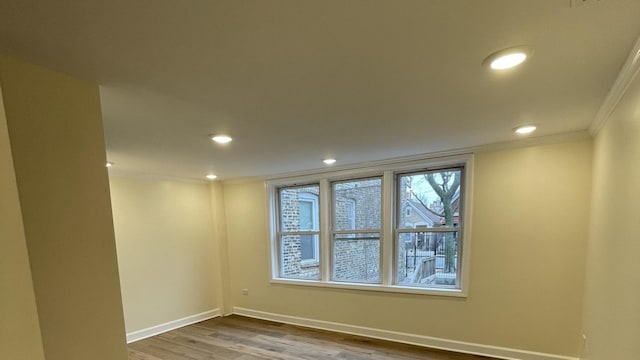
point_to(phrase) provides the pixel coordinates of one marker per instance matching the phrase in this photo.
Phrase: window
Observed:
(429, 258)
(399, 228)
(298, 232)
(351, 212)
(308, 205)
(356, 230)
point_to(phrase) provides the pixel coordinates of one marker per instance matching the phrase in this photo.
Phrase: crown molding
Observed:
(628, 72)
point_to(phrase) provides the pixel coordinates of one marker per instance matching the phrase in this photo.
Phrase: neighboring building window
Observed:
(308, 205)
(399, 228)
(356, 230)
(298, 232)
(351, 213)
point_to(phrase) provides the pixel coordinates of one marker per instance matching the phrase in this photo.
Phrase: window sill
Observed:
(309, 263)
(372, 287)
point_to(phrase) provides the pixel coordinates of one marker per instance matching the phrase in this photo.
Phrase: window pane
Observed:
(293, 264)
(308, 247)
(357, 204)
(428, 259)
(356, 257)
(299, 209)
(429, 199)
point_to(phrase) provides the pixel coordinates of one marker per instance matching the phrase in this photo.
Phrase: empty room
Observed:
(301, 179)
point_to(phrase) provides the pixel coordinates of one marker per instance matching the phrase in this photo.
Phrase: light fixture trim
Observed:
(507, 58)
(221, 138)
(525, 129)
(329, 161)
(211, 176)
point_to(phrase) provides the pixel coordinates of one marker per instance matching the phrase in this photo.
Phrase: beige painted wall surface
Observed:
(612, 295)
(55, 128)
(530, 217)
(221, 253)
(19, 327)
(166, 251)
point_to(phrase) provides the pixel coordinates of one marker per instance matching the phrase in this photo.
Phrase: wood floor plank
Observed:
(240, 338)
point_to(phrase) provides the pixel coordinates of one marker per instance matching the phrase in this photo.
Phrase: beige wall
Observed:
(166, 253)
(55, 128)
(19, 327)
(221, 251)
(612, 296)
(530, 216)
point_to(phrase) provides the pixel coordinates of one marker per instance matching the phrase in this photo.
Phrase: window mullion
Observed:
(387, 247)
(363, 231)
(325, 230)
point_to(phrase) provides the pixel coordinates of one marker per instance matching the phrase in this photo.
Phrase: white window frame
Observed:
(441, 229)
(352, 231)
(277, 233)
(388, 171)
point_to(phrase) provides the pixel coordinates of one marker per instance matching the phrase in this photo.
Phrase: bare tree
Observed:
(447, 186)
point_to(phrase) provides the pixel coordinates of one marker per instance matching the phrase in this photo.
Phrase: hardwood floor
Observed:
(240, 338)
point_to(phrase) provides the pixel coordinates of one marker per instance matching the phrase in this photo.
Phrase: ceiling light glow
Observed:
(508, 61)
(507, 58)
(108, 164)
(523, 130)
(221, 139)
(211, 176)
(329, 161)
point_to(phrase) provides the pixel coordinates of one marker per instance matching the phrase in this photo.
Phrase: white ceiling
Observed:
(297, 81)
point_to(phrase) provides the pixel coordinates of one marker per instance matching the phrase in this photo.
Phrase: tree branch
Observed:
(425, 205)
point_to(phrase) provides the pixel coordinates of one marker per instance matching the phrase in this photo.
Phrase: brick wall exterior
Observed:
(290, 262)
(357, 260)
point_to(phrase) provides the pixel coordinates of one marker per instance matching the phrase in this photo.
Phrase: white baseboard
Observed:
(420, 340)
(168, 326)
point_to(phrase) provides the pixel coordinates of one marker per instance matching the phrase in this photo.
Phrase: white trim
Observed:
(171, 325)
(406, 338)
(388, 251)
(628, 72)
(466, 202)
(371, 287)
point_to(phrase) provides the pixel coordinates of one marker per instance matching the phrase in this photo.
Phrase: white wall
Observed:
(19, 327)
(166, 250)
(55, 127)
(530, 221)
(612, 296)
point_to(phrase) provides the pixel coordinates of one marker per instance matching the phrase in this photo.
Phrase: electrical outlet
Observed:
(245, 291)
(579, 3)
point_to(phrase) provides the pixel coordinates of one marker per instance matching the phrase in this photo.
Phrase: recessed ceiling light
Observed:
(211, 176)
(221, 139)
(523, 130)
(329, 161)
(507, 58)
(108, 164)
